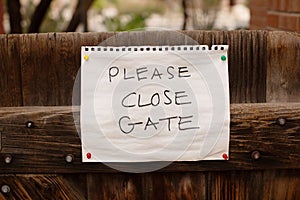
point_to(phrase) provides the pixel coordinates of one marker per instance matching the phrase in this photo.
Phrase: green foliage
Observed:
(204, 14)
(131, 14)
(136, 20)
(99, 4)
(27, 11)
(211, 3)
(52, 25)
(247, 2)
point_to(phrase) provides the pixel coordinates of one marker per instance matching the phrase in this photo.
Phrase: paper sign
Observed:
(154, 103)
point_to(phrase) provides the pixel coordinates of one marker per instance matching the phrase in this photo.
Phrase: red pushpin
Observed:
(225, 156)
(89, 155)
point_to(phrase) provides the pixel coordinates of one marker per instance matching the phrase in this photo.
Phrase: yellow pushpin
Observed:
(86, 57)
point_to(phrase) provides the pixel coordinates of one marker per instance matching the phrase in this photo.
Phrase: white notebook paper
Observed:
(154, 103)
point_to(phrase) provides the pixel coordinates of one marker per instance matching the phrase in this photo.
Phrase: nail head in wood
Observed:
(69, 158)
(29, 124)
(281, 121)
(255, 155)
(7, 159)
(5, 189)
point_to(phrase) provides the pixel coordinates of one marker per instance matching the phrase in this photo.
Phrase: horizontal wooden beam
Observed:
(38, 139)
(36, 186)
(41, 69)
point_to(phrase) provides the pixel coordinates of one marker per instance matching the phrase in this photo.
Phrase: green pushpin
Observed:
(223, 58)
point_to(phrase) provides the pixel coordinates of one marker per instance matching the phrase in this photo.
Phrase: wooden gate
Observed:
(40, 148)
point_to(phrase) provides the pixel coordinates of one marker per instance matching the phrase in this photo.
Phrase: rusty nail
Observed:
(255, 155)
(5, 189)
(69, 158)
(29, 124)
(7, 159)
(281, 121)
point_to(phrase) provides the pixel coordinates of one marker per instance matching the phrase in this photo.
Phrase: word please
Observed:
(144, 73)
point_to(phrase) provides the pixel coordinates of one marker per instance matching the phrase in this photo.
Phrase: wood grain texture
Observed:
(40, 70)
(43, 148)
(48, 69)
(247, 57)
(49, 64)
(244, 185)
(36, 68)
(283, 77)
(116, 186)
(10, 77)
(44, 187)
(44, 66)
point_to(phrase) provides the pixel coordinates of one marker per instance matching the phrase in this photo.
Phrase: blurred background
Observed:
(32, 16)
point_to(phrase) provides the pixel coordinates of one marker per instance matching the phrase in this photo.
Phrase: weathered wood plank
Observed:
(43, 148)
(283, 77)
(243, 185)
(10, 78)
(43, 187)
(247, 57)
(49, 62)
(116, 186)
(37, 69)
(39, 151)
(48, 68)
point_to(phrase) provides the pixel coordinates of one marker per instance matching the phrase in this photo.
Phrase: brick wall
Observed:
(275, 14)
